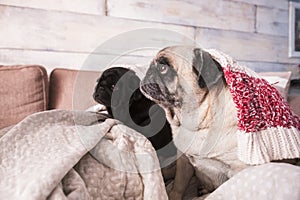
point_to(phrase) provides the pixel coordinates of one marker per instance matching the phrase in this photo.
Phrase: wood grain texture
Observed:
(95, 7)
(215, 13)
(246, 46)
(280, 4)
(64, 33)
(68, 32)
(272, 21)
(51, 60)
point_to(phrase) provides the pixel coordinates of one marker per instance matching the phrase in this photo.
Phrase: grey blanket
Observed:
(77, 155)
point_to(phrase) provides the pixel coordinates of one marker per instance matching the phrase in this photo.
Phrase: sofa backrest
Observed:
(28, 89)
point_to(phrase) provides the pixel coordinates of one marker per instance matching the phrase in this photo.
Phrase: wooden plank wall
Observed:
(65, 33)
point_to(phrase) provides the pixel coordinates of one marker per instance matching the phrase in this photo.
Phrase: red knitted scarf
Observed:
(259, 104)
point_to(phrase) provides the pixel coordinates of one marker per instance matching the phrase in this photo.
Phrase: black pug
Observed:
(118, 90)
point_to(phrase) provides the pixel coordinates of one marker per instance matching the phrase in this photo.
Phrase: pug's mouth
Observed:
(100, 98)
(159, 94)
(152, 91)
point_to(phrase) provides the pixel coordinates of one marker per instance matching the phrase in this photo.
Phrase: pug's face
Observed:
(115, 87)
(178, 74)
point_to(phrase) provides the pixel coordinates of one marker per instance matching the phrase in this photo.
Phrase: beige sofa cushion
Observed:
(280, 80)
(294, 101)
(72, 89)
(23, 91)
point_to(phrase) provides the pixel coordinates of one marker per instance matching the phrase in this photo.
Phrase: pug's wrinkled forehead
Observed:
(177, 57)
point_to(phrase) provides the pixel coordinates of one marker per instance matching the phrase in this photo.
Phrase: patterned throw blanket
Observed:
(77, 155)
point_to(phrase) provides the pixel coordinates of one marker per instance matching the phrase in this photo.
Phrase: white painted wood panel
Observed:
(96, 7)
(213, 13)
(57, 31)
(51, 60)
(63, 33)
(272, 21)
(246, 46)
(281, 4)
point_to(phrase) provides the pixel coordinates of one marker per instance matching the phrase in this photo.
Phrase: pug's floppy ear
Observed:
(208, 71)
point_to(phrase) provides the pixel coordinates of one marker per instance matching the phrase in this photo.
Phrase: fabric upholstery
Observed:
(23, 91)
(280, 80)
(294, 101)
(72, 89)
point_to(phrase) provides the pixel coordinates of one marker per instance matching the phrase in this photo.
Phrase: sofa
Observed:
(26, 90)
(29, 89)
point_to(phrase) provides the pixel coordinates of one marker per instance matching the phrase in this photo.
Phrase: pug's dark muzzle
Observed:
(153, 87)
(100, 96)
(152, 91)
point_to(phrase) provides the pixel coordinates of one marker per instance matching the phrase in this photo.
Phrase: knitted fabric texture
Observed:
(267, 127)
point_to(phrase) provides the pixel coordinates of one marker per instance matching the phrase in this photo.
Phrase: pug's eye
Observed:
(162, 68)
